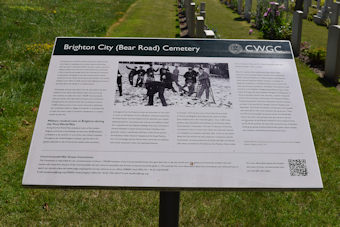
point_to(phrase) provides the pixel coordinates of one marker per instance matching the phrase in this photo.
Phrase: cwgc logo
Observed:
(235, 48)
(263, 48)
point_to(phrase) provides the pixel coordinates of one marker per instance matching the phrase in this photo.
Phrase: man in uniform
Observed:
(162, 71)
(119, 83)
(158, 86)
(150, 74)
(132, 73)
(167, 80)
(140, 79)
(190, 81)
(152, 88)
(175, 75)
(204, 82)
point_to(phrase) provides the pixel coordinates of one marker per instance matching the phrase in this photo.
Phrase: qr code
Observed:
(297, 167)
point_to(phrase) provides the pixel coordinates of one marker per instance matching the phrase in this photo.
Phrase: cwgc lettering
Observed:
(172, 113)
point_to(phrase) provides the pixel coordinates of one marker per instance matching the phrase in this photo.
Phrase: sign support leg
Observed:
(168, 209)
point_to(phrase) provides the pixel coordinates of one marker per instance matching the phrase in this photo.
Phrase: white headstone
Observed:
(202, 13)
(247, 9)
(318, 4)
(209, 34)
(332, 66)
(335, 13)
(306, 5)
(200, 27)
(296, 32)
(202, 6)
(239, 6)
(187, 6)
(191, 20)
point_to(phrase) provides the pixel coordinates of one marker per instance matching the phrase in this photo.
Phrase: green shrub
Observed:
(274, 23)
(261, 8)
(317, 56)
(304, 48)
(311, 13)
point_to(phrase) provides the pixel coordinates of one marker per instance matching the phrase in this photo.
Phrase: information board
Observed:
(172, 113)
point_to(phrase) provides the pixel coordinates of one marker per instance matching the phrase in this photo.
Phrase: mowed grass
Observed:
(227, 23)
(281, 208)
(27, 33)
(148, 18)
(315, 35)
(22, 76)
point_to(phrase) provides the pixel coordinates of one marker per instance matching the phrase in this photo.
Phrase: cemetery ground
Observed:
(314, 34)
(27, 33)
(148, 18)
(227, 23)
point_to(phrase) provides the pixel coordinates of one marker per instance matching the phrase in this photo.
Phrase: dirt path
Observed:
(113, 26)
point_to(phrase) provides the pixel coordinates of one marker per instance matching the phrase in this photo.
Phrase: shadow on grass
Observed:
(239, 19)
(178, 35)
(325, 82)
(321, 25)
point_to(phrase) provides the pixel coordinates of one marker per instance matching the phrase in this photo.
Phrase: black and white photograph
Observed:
(184, 84)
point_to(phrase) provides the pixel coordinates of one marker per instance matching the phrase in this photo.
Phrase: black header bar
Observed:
(174, 47)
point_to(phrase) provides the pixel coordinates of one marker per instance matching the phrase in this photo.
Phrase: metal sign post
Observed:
(168, 209)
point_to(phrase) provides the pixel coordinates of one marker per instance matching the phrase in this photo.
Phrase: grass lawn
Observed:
(148, 18)
(23, 68)
(314, 34)
(227, 23)
(27, 33)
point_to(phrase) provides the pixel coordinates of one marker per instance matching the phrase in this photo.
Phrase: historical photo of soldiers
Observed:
(184, 84)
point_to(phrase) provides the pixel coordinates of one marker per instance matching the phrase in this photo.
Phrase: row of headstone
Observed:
(239, 7)
(193, 25)
(183, 17)
(332, 64)
(246, 11)
(330, 10)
